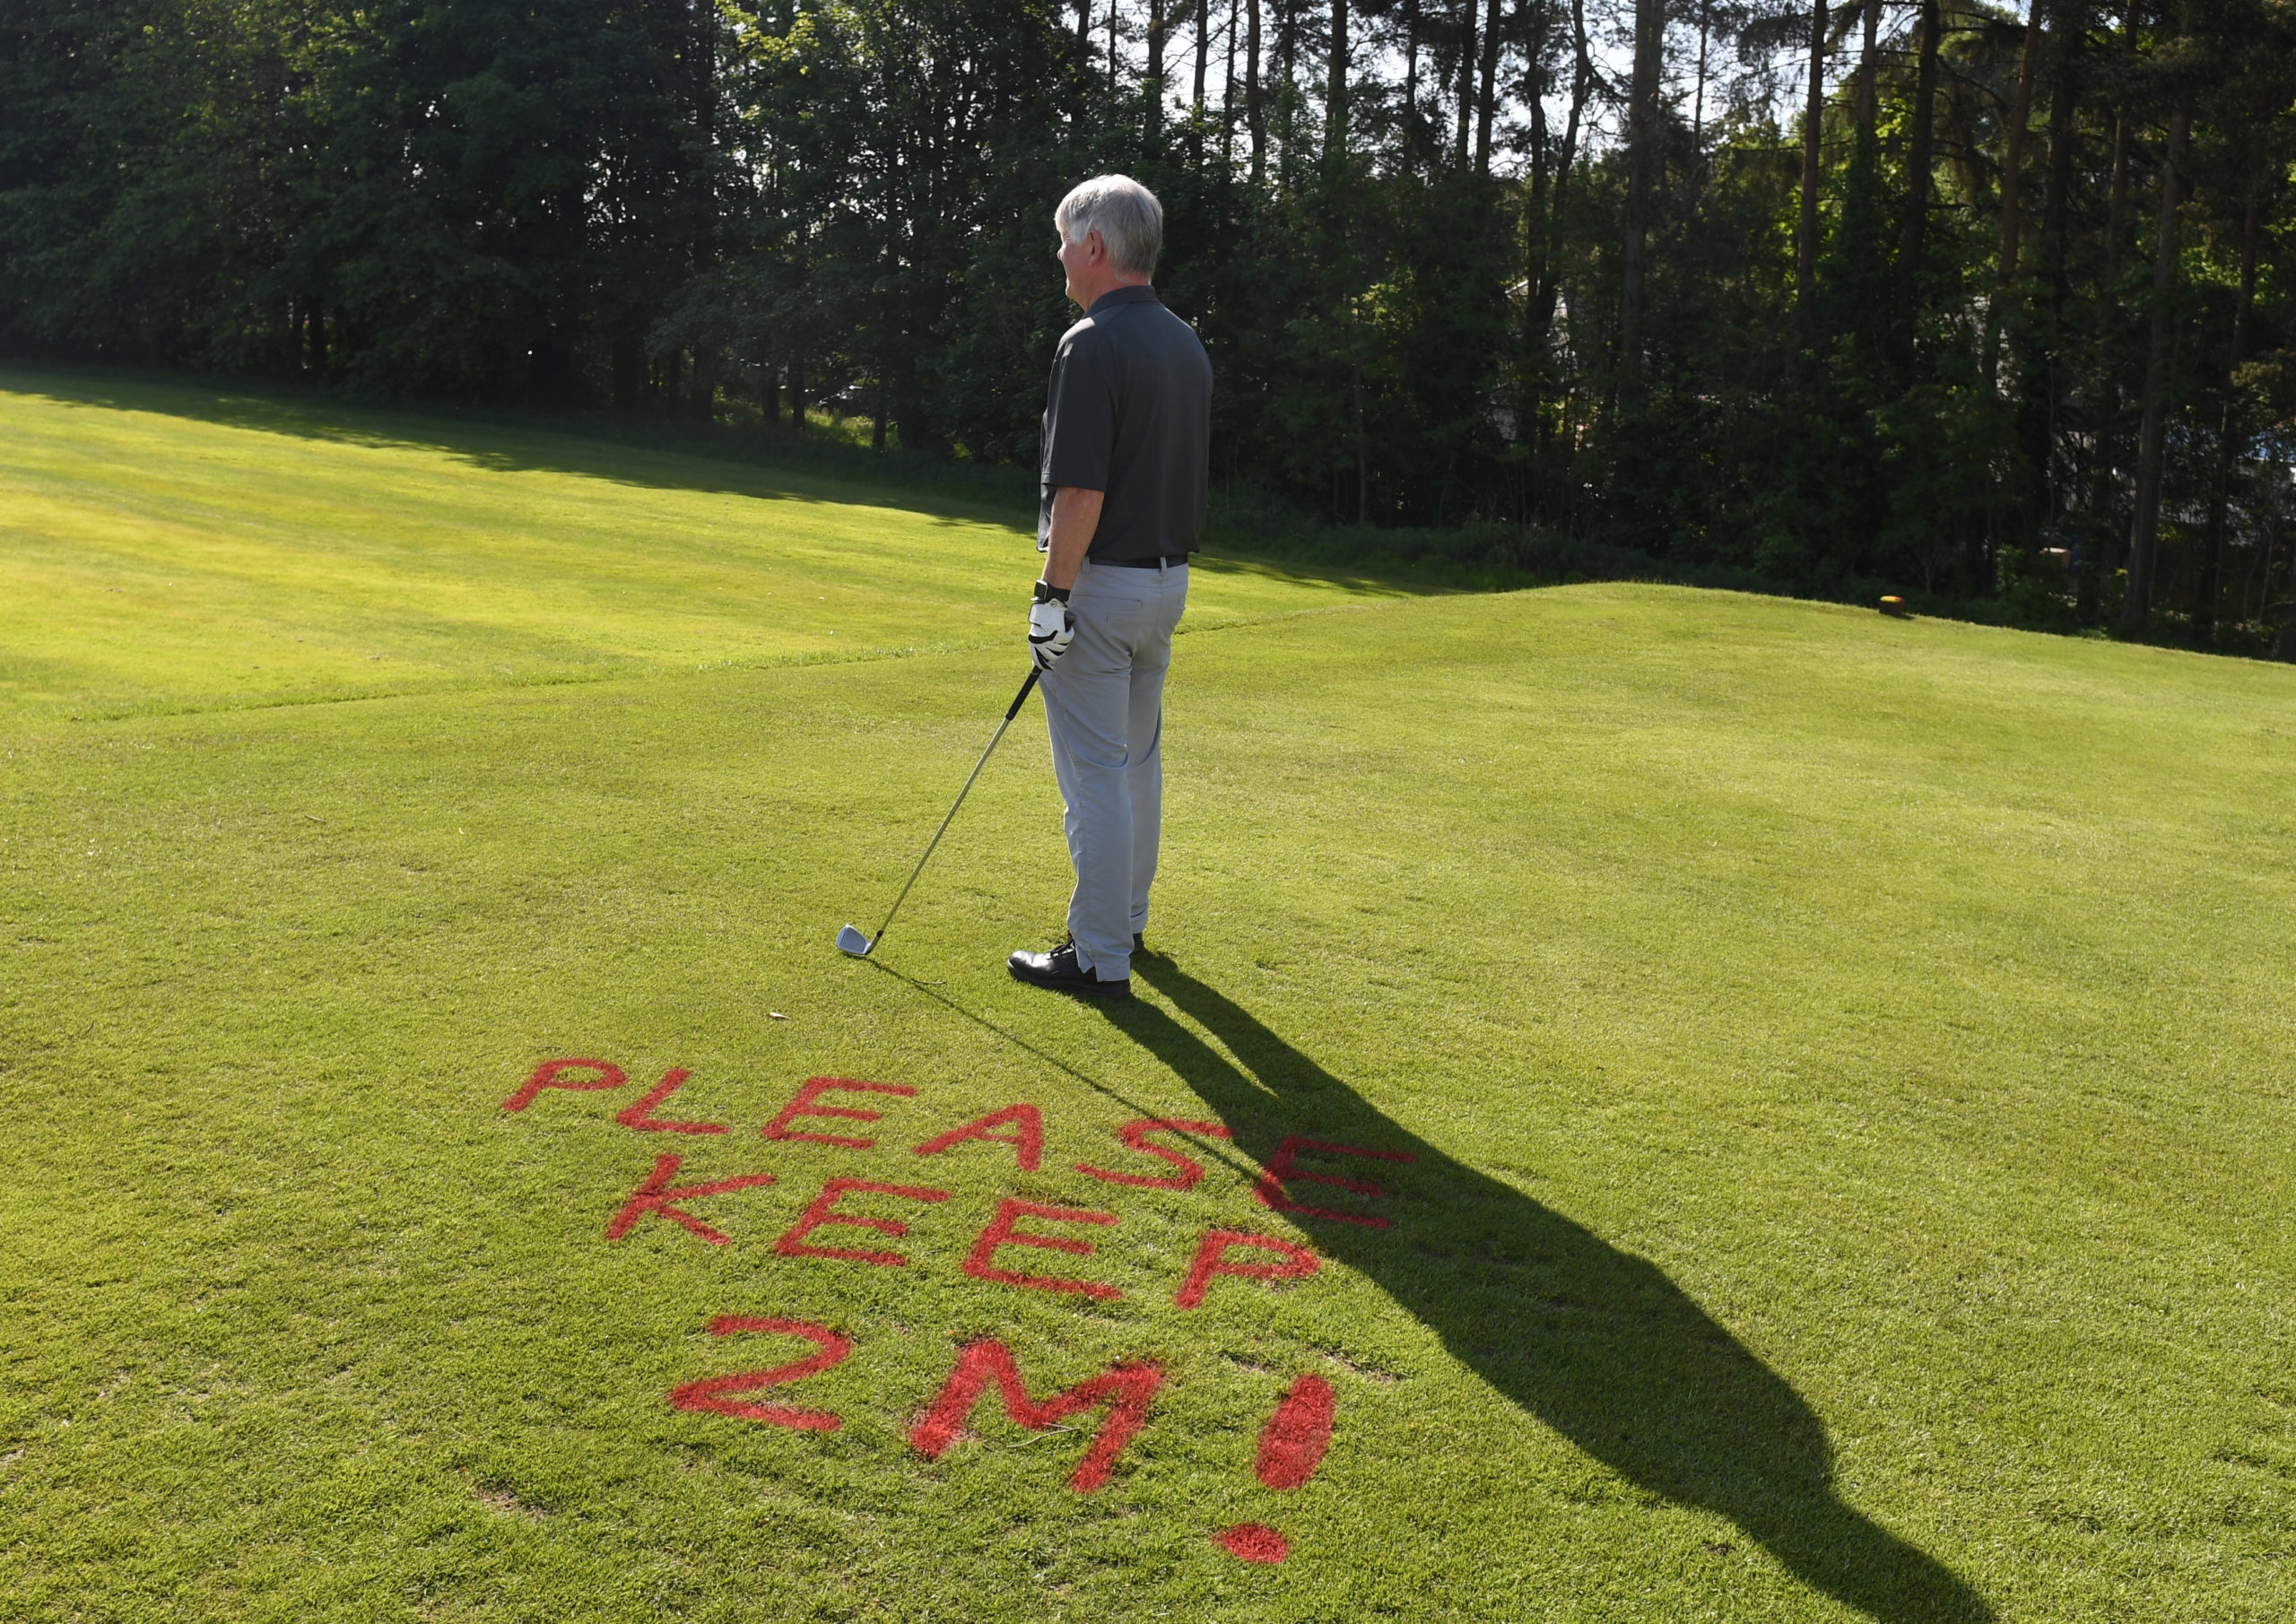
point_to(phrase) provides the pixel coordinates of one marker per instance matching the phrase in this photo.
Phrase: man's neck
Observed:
(1102, 287)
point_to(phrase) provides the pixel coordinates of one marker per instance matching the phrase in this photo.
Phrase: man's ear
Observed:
(1094, 249)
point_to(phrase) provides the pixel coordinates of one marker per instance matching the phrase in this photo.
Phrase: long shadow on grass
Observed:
(641, 451)
(1595, 1342)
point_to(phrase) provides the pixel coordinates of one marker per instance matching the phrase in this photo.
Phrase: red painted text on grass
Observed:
(1283, 1169)
(1125, 1390)
(1135, 1134)
(815, 1087)
(1211, 1259)
(654, 1195)
(823, 1212)
(1027, 1137)
(709, 1394)
(640, 1116)
(1000, 1232)
(549, 1074)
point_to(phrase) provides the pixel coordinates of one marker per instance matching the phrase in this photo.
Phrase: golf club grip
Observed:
(1022, 697)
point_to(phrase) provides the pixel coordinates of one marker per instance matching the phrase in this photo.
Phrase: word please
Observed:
(1019, 1127)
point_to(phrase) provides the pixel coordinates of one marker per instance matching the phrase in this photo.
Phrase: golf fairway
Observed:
(1827, 1080)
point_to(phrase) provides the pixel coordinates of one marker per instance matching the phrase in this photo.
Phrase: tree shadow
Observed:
(637, 451)
(1596, 1343)
(640, 451)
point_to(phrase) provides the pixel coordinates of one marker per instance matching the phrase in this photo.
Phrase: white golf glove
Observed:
(1052, 627)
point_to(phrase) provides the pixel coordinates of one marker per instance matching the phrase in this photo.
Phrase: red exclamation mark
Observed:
(1292, 1446)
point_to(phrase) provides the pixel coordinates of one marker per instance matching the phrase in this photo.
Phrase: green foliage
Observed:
(767, 210)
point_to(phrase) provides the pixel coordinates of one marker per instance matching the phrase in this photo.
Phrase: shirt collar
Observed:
(1139, 294)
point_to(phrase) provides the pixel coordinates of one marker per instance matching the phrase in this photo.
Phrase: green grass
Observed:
(1848, 1063)
(180, 549)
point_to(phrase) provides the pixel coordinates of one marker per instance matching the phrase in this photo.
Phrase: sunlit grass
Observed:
(1847, 1063)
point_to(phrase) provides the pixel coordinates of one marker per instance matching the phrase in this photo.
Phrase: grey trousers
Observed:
(1104, 702)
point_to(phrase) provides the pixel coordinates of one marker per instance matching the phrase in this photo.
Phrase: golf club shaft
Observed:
(1012, 710)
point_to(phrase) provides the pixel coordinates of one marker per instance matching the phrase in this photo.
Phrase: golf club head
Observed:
(851, 941)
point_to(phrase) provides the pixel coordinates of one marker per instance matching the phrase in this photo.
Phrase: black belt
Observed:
(1174, 560)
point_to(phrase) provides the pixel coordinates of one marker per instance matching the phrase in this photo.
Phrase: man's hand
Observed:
(1052, 627)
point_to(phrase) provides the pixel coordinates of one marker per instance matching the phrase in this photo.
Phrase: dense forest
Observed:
(1981, 305)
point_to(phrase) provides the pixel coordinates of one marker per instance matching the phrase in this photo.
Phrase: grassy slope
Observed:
(1823, 1039)
(178, 547)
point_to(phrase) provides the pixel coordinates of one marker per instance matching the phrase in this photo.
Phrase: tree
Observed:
(1913, 234)
(1641, 163)
(1805, 251)
(1437, 282)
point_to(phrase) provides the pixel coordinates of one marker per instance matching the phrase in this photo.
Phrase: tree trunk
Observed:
(1566, 158)
(1287, 66)
(1410, 133)
(1869, 61)
(2116, 209)
(1255, 114)
(2057, 195)
(1203, 53)
(797, 394)
(2229, 436)
(768, 396)
(2108, 379)
(1228, 89)
(1362, 461)
(1335, 87)
(2044, 386)
(2259, 573)
(1914, 234)
(1155, 68)
(2013, 162)
(1535, 214)
(1698, 101)
(1953, 136)
(1805, 248)
(629, 372)
(1466, 80)
(1487, 98)
(2284, 646)
(1641, 164)
(703, 408)
(1530, 377)
(2145, 524)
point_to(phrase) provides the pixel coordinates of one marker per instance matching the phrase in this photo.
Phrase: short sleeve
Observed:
(1079, 417)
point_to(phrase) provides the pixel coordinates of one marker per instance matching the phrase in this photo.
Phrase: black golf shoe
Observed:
(1060, 971)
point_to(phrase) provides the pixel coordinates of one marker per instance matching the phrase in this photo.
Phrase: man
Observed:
(1124, 476)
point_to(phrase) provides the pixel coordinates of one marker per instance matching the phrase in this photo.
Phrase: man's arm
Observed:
(1075, 520)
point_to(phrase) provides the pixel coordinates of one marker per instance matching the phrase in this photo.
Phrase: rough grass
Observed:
(1846, 1063)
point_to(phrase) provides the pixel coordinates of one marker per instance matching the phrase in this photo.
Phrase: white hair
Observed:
(1126, 215)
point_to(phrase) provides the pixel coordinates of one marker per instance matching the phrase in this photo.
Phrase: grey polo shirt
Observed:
(1128, 414)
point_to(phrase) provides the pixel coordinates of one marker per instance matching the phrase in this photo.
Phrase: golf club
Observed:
(849, 939)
